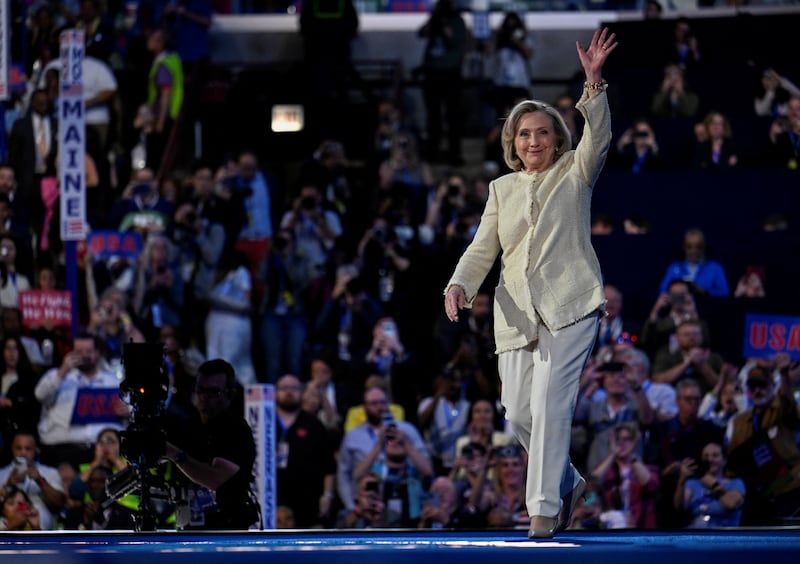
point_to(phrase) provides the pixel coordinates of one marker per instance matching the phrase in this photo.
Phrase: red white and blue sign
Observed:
(767, 335)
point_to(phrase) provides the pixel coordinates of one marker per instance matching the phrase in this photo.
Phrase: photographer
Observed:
(315, 229)
(637, 149)
(370, 512)
(58, 390)
(217, 456)
(712, 499)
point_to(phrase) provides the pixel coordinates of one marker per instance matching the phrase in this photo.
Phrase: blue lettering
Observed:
(73, 208)
(73, 183)
(73, 134)
(68, 108)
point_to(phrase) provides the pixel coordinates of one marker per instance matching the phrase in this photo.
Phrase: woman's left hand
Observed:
(593, 58)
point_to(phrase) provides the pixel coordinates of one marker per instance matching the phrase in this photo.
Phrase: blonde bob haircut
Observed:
(563, 137)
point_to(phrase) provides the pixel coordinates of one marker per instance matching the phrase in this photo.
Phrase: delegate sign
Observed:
(767, 335)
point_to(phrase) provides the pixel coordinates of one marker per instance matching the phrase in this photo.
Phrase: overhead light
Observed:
(288, 118)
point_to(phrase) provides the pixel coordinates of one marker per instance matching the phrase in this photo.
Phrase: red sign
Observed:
(40, 307)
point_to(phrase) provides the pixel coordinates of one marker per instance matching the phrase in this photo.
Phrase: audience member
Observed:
(624, 401)
(674, 99)
(784, 135)
(18, 513)
(614, 327)
(718, 151)
(229, 330)
(660, 396)
(369, 439)
(707, 276)
(357, 414)
(369, 511)
(628, 485)
(306, 469)
(12, 282)
(508, 491)
(511, 74)
(443, 419)
(637, 149)
(712, 499)
(671, 308)
(439, 509)
(165, 93)
(675, 440)
(445, 35)
(59, 391)
(772, 97)
(40, 483)
(405, 471)
(725, 400)
(762, 447)
(691, 359)
(751, 284)
(19, 408)
(93, 513)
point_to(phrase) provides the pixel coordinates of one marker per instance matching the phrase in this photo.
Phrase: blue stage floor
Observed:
(751, 546)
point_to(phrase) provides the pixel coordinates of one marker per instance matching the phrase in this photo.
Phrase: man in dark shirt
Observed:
(217, 456)
(306, 472)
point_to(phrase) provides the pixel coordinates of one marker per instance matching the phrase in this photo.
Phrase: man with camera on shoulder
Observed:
(65, 437)
(217, 456)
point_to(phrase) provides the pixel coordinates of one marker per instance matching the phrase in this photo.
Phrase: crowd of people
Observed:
(328, 285)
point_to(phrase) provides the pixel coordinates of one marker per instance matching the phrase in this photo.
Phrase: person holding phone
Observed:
(58, 391)
(550, 296)
(713, 499)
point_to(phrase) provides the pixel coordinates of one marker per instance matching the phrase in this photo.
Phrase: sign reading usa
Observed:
(96, 405)
(766, 335)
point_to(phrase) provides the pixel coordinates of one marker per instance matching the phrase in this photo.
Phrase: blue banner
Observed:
(767, 335)
(96, 405)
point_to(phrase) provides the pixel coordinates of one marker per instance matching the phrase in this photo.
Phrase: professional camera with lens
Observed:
(144, 442)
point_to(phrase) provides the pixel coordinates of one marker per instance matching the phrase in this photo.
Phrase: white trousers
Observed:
(539, 392)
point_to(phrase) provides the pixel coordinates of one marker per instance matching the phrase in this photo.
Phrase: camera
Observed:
(453, 190)
(21, 464)
(702, 468)
(190, 217)
(640, 134)
(144, 442)
(85, 364)
(308, 203)
(372, 486)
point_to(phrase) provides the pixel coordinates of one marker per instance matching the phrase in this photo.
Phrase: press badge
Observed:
(283, 454)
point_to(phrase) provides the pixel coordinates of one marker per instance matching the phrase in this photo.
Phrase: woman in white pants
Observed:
(550, 296)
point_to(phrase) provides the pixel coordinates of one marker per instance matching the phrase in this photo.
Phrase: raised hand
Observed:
(594, 56)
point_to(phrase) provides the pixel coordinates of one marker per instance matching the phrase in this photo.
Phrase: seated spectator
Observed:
(40, 483)
(18, 513)
(637, 149)
(762, 447)
(751, 284)
(712, 499)
(58, 390)
(19, 408)
(717, 151)
(691, 360)
(707, 275)
(369, 511)
(389, 358)
(92, 514)
(628, 484)
(12, 326)
(674, 99)
(284, 518)
(773, 94)
(443, 419)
